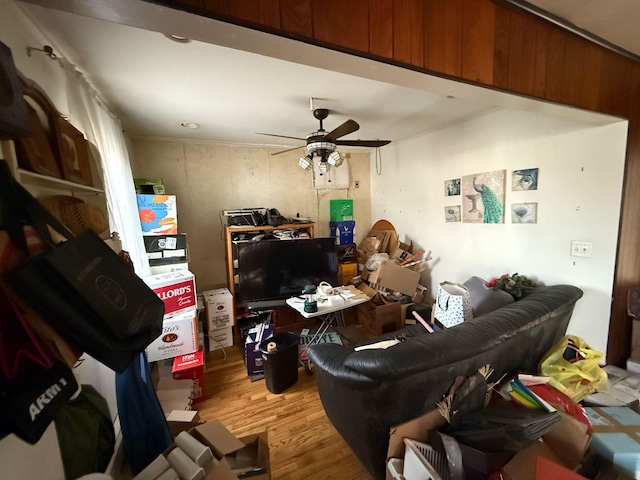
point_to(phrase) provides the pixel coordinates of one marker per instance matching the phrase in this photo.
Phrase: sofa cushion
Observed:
(485, 299)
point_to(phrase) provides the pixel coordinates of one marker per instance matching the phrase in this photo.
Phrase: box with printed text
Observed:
(179, 337)
(176, 289)
(158, 214)
(191, 367)
(218, 303)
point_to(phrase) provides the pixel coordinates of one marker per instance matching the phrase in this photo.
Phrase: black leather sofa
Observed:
(365, 393)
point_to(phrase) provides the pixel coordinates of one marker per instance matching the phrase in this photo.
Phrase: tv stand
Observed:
(284, 319)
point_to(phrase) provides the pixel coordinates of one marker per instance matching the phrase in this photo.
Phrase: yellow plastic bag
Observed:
(574, 368)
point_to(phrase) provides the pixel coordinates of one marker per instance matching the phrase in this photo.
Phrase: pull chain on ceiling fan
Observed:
(324, 145)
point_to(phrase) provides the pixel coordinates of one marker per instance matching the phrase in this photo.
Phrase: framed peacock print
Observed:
(483, 197)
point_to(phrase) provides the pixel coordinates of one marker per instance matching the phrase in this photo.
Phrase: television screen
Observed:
(279, 269)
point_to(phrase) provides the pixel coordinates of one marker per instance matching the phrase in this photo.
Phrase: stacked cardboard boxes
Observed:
(179, 333)
(343, 229)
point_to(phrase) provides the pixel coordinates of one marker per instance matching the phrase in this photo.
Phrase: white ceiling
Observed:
(235, 82)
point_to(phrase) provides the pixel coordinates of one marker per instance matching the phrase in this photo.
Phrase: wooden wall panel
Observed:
(341, 23)
(443, 36)
(408, 32)
(615, 85)
(381, 28)
(478, 33)
(261, 12)
(501, 49)
(296, 17)
(556, 62)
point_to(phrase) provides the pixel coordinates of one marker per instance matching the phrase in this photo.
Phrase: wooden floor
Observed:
(302, 442)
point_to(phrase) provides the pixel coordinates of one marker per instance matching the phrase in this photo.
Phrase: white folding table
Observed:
(329, 312)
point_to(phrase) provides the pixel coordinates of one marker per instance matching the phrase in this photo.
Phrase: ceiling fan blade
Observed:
(281, 136)
(364, 143)
(346, 128)
(287, 150)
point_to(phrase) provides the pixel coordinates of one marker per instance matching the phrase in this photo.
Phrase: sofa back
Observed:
(532, 324)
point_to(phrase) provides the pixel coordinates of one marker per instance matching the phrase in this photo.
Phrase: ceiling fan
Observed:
(323, 144)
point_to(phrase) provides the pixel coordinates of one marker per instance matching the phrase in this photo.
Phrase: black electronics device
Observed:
(274, 270)
(274, 218)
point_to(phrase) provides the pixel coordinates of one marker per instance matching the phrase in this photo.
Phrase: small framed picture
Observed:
(452, 213)
(524, 213)
(525, 179)
(452, 187)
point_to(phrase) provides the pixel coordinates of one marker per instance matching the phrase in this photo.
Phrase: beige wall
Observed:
(209, 178)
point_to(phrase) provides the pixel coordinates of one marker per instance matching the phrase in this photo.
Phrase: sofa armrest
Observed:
(331, 357)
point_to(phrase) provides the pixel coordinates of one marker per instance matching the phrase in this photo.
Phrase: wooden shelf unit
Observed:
(284, 318)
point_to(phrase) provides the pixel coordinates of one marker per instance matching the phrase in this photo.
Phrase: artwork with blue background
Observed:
(526, 179)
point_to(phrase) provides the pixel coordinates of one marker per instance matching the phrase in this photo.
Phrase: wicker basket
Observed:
(75, 214)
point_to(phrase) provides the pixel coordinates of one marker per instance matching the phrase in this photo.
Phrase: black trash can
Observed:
(280, 364)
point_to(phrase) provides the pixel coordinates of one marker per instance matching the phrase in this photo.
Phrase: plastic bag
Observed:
(574, 368)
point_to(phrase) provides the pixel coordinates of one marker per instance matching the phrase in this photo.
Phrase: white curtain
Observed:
(88, 113)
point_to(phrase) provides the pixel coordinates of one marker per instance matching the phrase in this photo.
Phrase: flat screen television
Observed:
(274, 270)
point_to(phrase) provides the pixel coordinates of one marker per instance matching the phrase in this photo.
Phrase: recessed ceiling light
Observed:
(177, 38)
(189, 125)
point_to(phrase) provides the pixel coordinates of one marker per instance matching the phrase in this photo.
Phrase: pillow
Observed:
(485, 299)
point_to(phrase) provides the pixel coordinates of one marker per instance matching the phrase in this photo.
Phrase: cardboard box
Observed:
(346, 253)
(179, 337)
(191, 367)
(168, 265)
(221, 336)
(219, 307)
(158, 214)
(252, 355)
(343, 232)
(346, 271)
(380, 319)
(176, 289)
(340, 210)
(616, 436)
(235, 457)
(149, 185)
(396, 278)
(417, 429)
(166, 245)
(522, 465)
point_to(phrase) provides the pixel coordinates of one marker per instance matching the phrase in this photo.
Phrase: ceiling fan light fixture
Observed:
(305, 162)
(324, 167)
(335, 159)
(314, 147)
